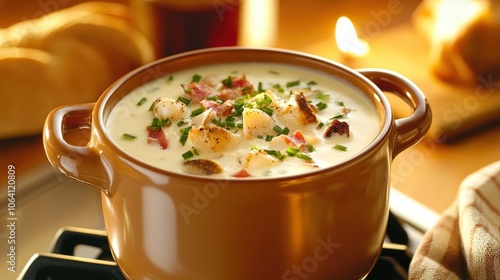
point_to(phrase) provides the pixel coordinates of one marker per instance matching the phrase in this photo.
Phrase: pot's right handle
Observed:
(409, 130)
(76, 159)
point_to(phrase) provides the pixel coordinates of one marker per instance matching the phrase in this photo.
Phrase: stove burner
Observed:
(62, 263)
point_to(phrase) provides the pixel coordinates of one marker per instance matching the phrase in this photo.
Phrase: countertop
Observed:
(432, 170)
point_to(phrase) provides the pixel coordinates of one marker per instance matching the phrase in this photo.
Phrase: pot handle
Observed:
(68, 147)
(409, 130)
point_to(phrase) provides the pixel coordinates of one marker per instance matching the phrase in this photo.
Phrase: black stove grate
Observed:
(62, 264)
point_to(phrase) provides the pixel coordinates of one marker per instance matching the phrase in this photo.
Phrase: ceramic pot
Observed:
(328, 224)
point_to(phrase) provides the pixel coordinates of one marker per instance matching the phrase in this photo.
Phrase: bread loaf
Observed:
(464, 38)
(66, 57)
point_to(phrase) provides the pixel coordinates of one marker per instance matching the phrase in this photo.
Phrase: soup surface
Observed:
(244, 120)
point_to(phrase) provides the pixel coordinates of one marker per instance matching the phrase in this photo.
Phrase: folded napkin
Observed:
(465, 242)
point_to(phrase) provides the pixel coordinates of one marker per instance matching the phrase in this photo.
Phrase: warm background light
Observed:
(453, 15)
(259, 23)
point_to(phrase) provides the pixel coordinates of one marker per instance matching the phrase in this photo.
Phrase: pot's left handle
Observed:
(76, 159)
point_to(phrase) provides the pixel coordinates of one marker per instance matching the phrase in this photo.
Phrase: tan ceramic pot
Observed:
(324, 225)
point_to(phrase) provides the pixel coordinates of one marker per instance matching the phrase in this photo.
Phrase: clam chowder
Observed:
(244, 120)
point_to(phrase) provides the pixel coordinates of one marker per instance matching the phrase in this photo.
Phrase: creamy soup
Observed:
(244, 120)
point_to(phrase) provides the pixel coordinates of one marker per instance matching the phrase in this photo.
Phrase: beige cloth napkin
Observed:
(465, 242)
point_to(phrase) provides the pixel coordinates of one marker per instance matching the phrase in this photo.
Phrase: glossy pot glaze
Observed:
(329, 224)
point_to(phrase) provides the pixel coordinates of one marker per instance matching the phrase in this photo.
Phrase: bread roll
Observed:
(66, 57)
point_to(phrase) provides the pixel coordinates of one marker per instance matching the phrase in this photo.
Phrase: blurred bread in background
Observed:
(67, 56)
(464, 37)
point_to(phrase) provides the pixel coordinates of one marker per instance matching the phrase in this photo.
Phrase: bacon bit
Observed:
(241, 174)
(337, 127)
(198, 91)
(224, 109)
(296, 140)
(239, 86)
(157, 136)
(306, 109)
(298, 137)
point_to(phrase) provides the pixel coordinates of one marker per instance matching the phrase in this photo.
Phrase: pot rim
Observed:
(371, 90)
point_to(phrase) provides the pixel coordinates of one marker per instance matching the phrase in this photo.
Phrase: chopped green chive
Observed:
(157, 123)
(213, 98)
(189, 154)
(277, 154)
(228, 82)
(267, 110)
(310, 148)
(322, 96)
(198, 111)
(321, 124)
(184, 100)
(339, 116)
(279, 88)
(196, 78)
(285, 131)
(340, 103)
(127, 136)
(269, 138)
(142, 101)
(274, 72)
(292, 83)
(181, 123)
(277, 129)
(304, 156)
(170, 79)
(321, 105)
(260, 88)
(292, 151)
(340, 147)
(184, 134)
(311, 83)
(280, 130)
